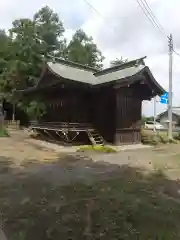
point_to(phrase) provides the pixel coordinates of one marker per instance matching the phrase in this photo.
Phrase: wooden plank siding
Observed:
(113, 112)
(94, 106)
(128, 113)
(67, 105)
(103, 110)
(127, 136)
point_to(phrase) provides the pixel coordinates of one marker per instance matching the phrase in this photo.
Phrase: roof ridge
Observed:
(74, 64)
(122, 66)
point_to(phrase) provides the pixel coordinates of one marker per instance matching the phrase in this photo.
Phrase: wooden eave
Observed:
(144, 74)
(158, 89)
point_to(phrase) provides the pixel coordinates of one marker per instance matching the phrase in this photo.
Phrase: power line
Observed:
(178, 54)
(149, 15)
(143, 4)
(145, 8)
(153, 15)
(94, 9)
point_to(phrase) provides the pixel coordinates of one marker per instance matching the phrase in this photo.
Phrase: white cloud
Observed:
(122, 31)
(70, 12)
(127, 32)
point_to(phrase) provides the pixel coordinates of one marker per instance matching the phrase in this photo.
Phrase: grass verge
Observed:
(4, 132)
(154, 138)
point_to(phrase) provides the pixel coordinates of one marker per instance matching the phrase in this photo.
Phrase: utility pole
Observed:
(154, 114)
(13, 113)
(170, 41)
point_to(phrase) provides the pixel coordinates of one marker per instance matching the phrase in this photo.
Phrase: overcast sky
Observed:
(123, 30)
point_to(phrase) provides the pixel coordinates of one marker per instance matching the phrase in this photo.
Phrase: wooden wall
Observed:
(128, 113)
(103, 112)
(78, 105)
(67, 105)
(113, 112)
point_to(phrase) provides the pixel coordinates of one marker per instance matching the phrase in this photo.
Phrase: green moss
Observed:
(4, 132)
(96, 148)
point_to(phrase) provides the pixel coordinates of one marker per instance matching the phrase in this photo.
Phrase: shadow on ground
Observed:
(79, 199)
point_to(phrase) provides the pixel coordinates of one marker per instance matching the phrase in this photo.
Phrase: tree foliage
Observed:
(49, 30)
(82, 49)
(145, 119)
(30, 42)
(118, 61)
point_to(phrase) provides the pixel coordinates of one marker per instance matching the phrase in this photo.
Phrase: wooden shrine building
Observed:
(103, 106)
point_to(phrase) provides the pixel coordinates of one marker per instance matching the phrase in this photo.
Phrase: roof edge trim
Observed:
(139, 61)
(147, 69)
(74, 64)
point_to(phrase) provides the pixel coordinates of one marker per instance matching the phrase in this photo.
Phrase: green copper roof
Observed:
(84, 74)
(71, 71)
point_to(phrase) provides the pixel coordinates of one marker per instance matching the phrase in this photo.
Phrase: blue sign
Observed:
(164, 101)
(164, 98)
(165, 95)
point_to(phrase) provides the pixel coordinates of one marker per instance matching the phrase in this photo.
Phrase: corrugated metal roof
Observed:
(72, 73)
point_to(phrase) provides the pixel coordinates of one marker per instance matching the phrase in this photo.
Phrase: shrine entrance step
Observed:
(95, 137)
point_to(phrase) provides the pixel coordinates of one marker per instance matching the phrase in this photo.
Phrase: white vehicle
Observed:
(152, 125)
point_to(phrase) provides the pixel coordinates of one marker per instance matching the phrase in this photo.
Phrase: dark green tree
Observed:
(25, 65)
(31, 42)
(145, 119)
(4, 49)
(50, 30)
(83, 50)
(5, 57)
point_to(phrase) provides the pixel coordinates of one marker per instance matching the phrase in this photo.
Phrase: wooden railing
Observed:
(60, 125)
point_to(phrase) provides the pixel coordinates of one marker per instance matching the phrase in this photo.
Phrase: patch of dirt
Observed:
(17, 148)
